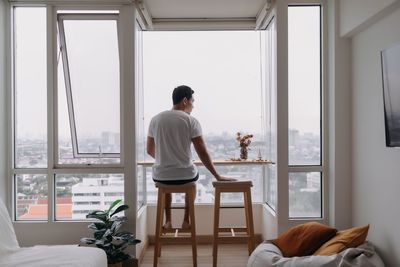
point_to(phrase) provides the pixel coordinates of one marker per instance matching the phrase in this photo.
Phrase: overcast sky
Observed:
(223, 68)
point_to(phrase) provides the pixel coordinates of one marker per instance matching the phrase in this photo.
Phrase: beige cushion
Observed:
(345, 239)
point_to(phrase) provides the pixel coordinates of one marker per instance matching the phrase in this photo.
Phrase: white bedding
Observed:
(11, 255)
(51, 256)
(267, 254)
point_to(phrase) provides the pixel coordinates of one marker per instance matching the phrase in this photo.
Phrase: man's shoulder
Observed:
(174, 114)
(161, 114)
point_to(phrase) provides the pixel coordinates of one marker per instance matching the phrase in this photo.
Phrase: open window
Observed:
(89, 110)
(224, 70)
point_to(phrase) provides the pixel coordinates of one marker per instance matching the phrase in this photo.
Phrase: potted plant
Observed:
(107, 235)
(244, 142)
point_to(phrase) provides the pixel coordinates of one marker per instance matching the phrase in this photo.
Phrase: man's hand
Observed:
(200, 147)
(225, 179)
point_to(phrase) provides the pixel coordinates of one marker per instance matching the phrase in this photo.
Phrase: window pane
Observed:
(65, 146)
(30, 78)
(305, 194)
(205, 190)
(93, 60)
(77, 194)
(31, 196)
(223, 68)
(304, 85)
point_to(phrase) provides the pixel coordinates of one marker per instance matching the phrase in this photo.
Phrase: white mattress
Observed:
(54, 256)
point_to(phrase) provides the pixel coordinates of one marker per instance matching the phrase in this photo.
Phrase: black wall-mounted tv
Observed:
(391, 94)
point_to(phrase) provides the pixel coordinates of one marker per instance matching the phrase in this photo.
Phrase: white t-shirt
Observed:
(173, 131)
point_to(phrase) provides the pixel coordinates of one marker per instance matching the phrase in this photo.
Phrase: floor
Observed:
(229, 255)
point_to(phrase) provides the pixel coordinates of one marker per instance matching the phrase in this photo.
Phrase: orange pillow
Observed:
(349, 238)
(303, 239)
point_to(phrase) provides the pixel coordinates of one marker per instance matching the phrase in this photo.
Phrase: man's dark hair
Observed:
(180, 93)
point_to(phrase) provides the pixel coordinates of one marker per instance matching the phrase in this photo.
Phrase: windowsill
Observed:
(219, 162)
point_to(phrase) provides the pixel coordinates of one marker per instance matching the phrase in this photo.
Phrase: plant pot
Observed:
(243, 152)
(130, 263)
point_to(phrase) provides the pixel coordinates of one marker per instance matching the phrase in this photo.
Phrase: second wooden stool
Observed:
(236, 232)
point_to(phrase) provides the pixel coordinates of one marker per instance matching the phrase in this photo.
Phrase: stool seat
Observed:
(222, 234)
(232, 184)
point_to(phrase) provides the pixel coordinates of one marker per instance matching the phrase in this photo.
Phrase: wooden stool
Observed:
(164, 236)
(246, 234)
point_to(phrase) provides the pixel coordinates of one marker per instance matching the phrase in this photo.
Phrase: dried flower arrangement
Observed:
(244, 142)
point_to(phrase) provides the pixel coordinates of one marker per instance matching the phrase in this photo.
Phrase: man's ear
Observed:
(185, 101)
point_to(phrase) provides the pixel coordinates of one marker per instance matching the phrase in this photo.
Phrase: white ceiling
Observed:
(181, 9)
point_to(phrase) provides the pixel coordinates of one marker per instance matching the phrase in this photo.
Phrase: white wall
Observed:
(357, 14)
(376, 168)
(269, 227)
(339, 121)
(3, 126)
(141, 231)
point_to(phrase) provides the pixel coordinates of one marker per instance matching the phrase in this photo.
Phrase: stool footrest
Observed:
(231, 207)
(236, 229)
(171, 235)
(173, 230)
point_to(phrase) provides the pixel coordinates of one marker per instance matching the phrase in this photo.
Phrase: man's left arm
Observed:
(151, 147)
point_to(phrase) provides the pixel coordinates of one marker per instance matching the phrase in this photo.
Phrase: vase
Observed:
(243, 153)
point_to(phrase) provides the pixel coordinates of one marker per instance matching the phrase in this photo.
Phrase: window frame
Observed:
(127, 127)
(61, 17)
(313, 168)
(321, 168)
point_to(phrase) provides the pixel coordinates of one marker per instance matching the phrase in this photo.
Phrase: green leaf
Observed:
(118, 218)
(99, 234)
(88, 241)
(119, 209)
(102, 217)
(134, 241)
(94, 212)
(115, 203)
(116, 225)
(97, 226)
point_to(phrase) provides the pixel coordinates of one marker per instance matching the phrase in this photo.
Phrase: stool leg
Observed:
(216, 226)
(249, 220)
(158, 226)
(193, 225)
(163, 199)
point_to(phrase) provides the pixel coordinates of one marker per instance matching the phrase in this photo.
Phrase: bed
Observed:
(12, 255)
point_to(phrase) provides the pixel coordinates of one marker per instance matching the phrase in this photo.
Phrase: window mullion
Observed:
(315, 168)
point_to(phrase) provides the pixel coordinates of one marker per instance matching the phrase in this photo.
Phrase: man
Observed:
(170, 136)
